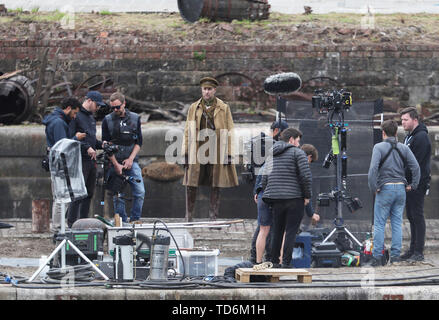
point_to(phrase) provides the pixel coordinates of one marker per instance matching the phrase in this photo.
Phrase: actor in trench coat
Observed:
(208, 149)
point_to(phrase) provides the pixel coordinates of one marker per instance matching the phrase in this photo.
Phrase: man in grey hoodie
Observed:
(387, 180)
(286, 181)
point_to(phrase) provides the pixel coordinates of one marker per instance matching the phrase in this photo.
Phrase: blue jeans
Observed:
(390, 201)
(138, 191)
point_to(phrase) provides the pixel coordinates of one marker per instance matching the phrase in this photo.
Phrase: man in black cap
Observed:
(86, 123)
(216, 170)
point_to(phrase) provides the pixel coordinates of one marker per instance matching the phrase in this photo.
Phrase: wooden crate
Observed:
(243, 274)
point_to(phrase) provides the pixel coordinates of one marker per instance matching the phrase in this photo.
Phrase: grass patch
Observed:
(105, 13)
(200, 56)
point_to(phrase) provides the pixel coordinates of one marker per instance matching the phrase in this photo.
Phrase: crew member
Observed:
(287, 186)
(386, 179)
(261, 238)
(57, 128)
(123, 129)
(57, 123)
(207, 147)
(86, 123)
(418, 141)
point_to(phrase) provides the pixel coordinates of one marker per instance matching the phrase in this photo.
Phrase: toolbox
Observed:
(326, 255)
(90, 242)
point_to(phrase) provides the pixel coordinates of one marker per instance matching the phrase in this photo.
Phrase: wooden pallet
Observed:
(243, 274)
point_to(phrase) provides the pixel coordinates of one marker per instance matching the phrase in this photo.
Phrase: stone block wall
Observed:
(163, 73)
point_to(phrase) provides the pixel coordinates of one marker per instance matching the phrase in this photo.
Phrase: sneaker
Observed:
(416, 257)
(395, 260)
(406, 255)
(374, 262)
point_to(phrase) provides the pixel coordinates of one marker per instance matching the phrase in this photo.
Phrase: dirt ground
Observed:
(170, 28)
(25, 248)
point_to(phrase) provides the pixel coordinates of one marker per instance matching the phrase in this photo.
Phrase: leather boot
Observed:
(214, 203)
(191, 196)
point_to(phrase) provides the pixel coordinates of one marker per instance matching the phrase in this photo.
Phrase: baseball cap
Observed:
(96, 97)
(282, 125)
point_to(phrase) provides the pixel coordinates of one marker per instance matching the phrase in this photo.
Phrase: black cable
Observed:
(80, 273)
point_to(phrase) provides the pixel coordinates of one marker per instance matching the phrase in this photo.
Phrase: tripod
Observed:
(65, 241)
(338, 154)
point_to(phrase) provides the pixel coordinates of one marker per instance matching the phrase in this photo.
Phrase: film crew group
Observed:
(57, 128)
(207, 120)
(122, 128)
(387, 180)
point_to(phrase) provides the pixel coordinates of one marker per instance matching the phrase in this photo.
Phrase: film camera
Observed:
(110, 149)
(329, 100)
(113, 181)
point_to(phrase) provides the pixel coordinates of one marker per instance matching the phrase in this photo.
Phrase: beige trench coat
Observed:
(224, 176)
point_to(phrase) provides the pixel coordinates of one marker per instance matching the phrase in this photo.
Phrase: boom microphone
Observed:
(282, 83)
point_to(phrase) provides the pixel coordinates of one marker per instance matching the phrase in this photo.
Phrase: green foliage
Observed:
(105, 13)
(200, 56)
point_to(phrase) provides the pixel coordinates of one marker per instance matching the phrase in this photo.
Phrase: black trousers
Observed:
(287, 216)
(81, 207)
(415, 215)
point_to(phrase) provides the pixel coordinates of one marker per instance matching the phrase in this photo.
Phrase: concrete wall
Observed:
(22, 179)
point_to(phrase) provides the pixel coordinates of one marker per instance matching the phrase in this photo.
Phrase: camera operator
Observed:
(57, 128)
(287, 187)
(86, 123)
(123, 129)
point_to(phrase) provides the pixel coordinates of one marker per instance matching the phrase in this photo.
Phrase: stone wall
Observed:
(22, 179)
(406, 74)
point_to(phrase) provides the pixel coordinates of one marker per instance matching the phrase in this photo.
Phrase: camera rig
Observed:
(334, 103)
(331, 100)
(112, 181)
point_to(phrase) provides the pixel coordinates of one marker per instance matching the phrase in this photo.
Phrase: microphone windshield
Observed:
(282, 83)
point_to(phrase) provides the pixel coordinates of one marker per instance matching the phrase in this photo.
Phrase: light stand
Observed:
(65, 241)
(339, 147)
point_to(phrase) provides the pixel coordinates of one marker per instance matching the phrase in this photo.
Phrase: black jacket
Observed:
(420, 144)
(85, 122)
(286, 174)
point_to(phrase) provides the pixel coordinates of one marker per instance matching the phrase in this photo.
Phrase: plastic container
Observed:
(198, 262)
